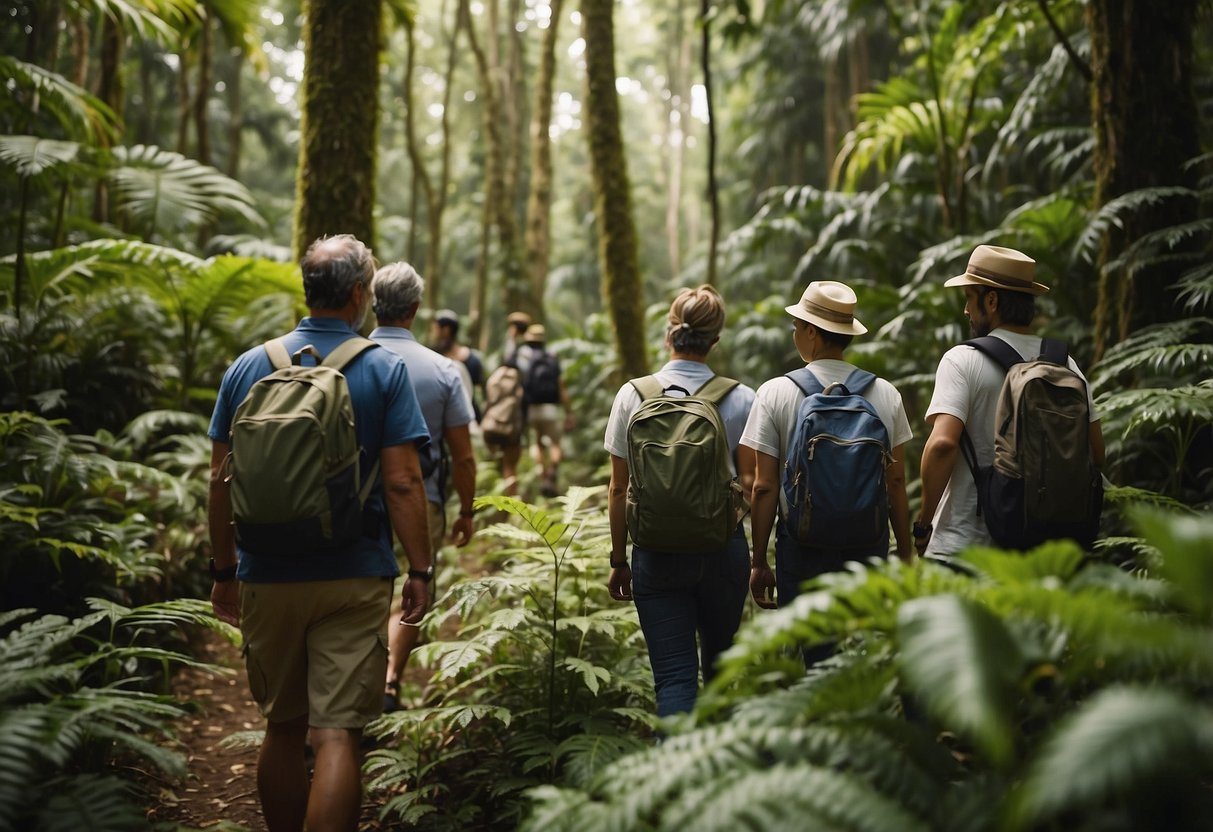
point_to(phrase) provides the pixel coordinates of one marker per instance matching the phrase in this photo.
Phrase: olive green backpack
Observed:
(682, 493)
(294, 462)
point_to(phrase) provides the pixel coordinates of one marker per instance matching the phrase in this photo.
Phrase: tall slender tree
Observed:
(335, 181)
(539, 199)
(617, 257)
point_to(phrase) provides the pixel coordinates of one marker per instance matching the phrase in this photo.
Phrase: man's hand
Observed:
(922, 538)
(414, 600)
(462, 530)
(225, 601)
(762, 585)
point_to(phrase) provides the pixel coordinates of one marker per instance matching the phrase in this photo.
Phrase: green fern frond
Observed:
(586, 756)
(89, 801)
(547, 527)
(30, 156)
(789, 797)
(962, 663)
(1187, 545)
(1122, 497)
(1055, 559)
(1114, 213)
(83, 115)
(1122, 743)
(1152, 410)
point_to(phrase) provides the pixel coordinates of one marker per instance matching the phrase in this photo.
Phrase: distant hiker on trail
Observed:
(970, 397)
(311, 542)
(830, 440)
(444, 340)
(681, 506)
(516, 327)
(397, 291)
(546, 397)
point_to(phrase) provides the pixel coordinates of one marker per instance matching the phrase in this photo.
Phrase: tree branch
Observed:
(1078, 62)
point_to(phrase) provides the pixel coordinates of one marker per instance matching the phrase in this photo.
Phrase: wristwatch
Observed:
(426, 574)
(919, 530)
(221, 576)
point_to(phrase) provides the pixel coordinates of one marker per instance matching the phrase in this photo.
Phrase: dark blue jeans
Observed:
(794, 565)
(679, 596)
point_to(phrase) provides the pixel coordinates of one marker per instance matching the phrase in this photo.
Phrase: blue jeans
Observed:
(794, 564)
(678, 596)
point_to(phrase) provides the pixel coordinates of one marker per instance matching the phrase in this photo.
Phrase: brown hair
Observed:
(695, 320)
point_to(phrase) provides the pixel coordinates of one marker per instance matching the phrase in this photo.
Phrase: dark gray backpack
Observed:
(1043, 483)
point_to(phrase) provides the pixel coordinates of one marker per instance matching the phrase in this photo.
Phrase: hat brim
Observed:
(853, 328)
(967, 279)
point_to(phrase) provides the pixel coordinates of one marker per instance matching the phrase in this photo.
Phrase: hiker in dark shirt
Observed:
(681, 595)
(548, 411)
(444, 339)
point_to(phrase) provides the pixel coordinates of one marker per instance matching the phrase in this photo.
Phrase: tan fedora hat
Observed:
(829, 305)
(1001, 268)
(535, 333)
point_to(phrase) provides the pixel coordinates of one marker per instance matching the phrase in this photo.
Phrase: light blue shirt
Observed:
(439, 388)
(689, 375)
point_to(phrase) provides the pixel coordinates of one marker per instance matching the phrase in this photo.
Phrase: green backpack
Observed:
(682, 493)
(293, 465)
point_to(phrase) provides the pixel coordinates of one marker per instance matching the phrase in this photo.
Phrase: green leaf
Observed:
(960, 661)
(591, 674)
(1186, 543)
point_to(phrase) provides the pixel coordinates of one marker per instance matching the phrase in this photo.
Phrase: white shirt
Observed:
(773, 417)
(690, 375)
(967, 386)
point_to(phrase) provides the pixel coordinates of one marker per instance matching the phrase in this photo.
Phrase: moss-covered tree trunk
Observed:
(1145, 122)
(335, 180)
(617, 258)
(539, 200)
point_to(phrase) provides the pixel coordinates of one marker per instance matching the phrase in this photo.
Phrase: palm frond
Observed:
(80, 114)
(30, 156)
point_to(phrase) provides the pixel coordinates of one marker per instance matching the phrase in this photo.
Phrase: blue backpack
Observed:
(834, 475)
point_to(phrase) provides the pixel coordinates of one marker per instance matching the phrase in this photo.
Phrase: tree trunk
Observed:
(617, 257)
(420, 185)
(80, 39)
(437, 209)
(1145, 122)
(184, 98)
(539, 201)
(202, 152)
(335, 183)
(110, 90)
(677, 125)
(705, 58)
(235, 109)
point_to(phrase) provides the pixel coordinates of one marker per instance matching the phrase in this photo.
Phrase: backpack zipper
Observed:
(838, 440)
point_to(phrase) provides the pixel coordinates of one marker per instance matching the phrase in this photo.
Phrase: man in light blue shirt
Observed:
(397, 290)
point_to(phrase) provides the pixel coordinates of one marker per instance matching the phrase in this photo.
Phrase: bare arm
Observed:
(404, 493)
(764, 503)
(620, 582)
(747, 462)
(225, 597)
(463, 474)
(899, 505)
(938, 459)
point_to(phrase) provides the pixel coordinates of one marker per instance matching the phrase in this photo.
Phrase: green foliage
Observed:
(542, 680)
(1010, 691)
(78, 724)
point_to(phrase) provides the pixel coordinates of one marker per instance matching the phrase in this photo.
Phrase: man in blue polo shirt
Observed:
(397, 291)
(314, 622)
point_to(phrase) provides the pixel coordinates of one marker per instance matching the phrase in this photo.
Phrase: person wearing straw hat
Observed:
(1000, 293)
(516, 324)
(548, 411)
(823, 326)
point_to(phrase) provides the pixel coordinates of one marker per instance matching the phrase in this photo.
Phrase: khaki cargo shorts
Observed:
(317, 649)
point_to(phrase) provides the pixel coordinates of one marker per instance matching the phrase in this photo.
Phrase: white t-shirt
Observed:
(773, 417)
(690, 375)
(967, 385)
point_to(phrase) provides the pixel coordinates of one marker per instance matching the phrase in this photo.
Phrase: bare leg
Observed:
(402, 638)
(336, 795)
(509, 469)
(282, 775)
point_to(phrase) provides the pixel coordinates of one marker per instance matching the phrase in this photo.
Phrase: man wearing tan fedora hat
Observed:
(1000, 300)
(823, 325)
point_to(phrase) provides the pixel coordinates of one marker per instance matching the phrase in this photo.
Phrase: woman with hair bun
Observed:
(681, 595)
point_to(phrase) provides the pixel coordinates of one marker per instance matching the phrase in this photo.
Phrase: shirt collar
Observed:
(398, 333)
(686, 367)
(323, 324)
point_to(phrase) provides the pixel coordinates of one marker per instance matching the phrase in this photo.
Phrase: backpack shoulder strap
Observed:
(347, 351)
(806, 381)
(716, 388)
(1002, 352)
(858, 380)
(280, 357)
(1054, 351)
(648, 387)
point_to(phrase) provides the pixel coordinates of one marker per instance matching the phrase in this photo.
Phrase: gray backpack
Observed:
(293, 467)
(1043, 483)
(682, 493)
